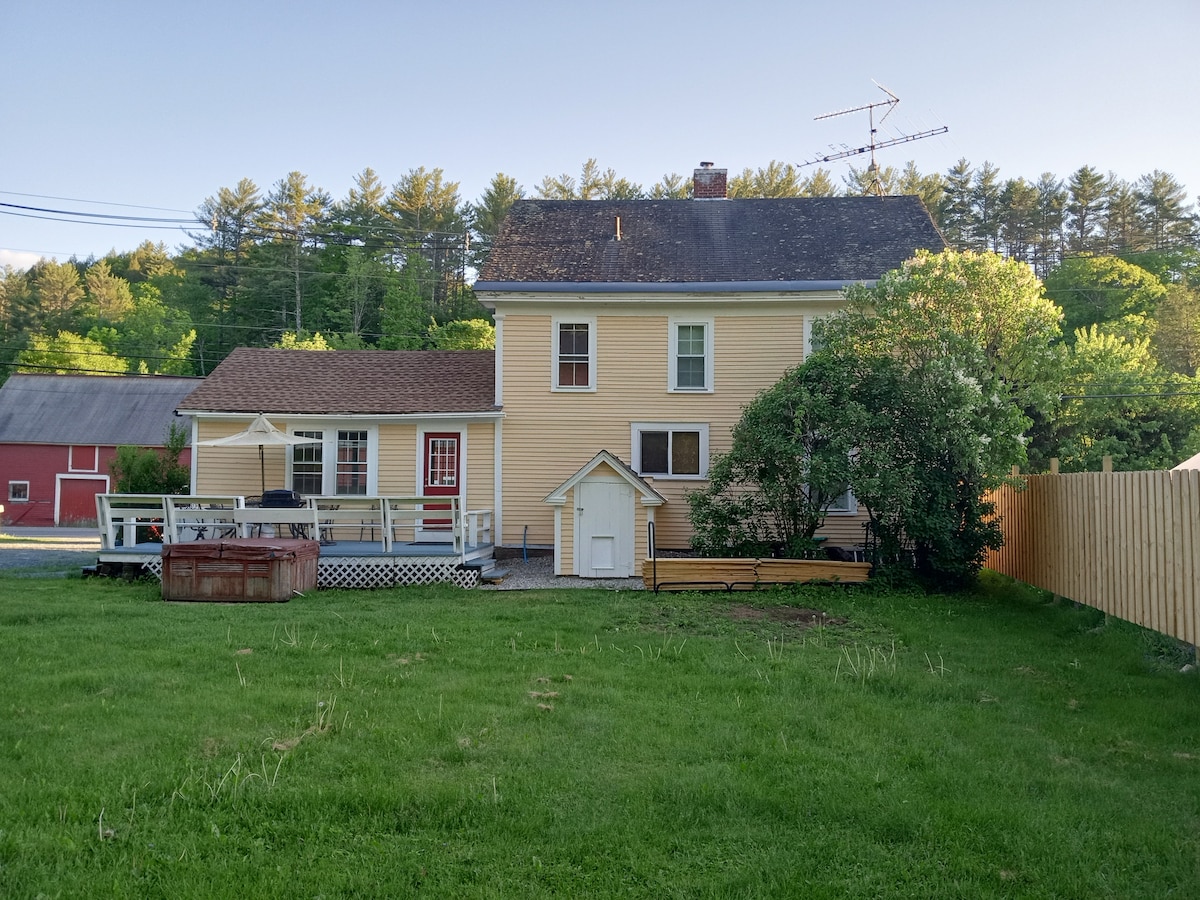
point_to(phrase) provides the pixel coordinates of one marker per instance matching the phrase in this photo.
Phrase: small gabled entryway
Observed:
(604, 529)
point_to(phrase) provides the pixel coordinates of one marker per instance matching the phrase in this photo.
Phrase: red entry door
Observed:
(442, 472)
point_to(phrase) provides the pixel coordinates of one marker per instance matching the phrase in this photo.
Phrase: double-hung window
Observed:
(338, 462)
(670, 450)
(691, 355)
(574, 356)
(351, 473)
(307, 464)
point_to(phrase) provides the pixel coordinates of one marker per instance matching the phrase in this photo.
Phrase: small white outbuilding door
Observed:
(604, 527)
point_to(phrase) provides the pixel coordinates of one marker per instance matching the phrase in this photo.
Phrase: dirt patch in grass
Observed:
(797, 617)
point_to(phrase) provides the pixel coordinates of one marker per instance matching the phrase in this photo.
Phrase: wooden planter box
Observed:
(703, 573)
(235, 571)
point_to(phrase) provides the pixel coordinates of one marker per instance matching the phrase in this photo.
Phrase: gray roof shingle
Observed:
(101, 410)
(805, 239)
(349, 382)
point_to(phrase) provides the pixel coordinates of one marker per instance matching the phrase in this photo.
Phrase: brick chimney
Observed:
(709, 183)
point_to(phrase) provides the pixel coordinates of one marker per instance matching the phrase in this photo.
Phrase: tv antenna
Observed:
(876, 184)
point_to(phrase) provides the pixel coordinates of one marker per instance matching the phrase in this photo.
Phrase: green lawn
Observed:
(430, 741)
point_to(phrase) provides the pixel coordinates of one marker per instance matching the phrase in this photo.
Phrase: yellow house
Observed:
(629, 336)
(642, 328)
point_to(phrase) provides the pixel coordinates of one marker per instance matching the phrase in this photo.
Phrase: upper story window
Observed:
(691, 364)
(574, 363)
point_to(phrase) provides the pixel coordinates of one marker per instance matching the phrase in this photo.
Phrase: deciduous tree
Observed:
(957, 351)
(66, 353)
(1103, 289)
(1119, 402)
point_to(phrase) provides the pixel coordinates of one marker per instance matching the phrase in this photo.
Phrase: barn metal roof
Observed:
(102, 410)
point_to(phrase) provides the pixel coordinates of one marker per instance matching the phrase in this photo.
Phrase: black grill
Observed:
(282, 499)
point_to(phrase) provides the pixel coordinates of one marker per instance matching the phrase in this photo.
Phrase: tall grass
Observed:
(589, 743)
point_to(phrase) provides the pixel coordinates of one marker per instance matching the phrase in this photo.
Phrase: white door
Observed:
(604, 529)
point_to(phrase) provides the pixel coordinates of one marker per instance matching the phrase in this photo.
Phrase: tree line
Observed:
(390, 267)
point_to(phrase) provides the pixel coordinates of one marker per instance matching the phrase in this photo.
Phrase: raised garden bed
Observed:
(733, 574)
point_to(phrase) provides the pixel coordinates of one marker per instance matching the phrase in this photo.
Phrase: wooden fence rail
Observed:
(1127, 543)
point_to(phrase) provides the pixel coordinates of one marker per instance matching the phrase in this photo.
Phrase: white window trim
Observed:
(590, 322)
(329, 441)
(11, 498)
(73, 466)
(673, 324)
(851, 508)
(635, 455)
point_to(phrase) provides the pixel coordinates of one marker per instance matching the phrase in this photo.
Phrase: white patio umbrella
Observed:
(262, 433)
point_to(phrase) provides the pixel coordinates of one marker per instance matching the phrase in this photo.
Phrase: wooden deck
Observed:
(365, 542)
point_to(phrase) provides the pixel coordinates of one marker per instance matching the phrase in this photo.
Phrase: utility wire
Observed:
(8, 212)
(67, 212)
(93, 202)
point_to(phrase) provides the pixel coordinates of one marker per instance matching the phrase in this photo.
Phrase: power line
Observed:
(93, 202)
(6, 212)
(68, 212)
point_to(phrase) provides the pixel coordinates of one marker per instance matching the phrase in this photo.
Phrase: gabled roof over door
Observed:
(649, 496)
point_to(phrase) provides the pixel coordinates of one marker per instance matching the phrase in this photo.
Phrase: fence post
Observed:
(1054, 465)
(1106, 464)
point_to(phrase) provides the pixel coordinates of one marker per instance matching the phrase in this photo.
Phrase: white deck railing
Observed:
(129, 519)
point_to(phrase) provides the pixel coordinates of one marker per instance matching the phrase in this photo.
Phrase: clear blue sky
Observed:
(161, 104)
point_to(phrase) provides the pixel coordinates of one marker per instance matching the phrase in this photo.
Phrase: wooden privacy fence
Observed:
(1127, 543)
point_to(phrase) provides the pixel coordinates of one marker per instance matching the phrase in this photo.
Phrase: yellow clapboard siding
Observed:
(235, 470)
(549, 435)
(398, 453)
(481, 470)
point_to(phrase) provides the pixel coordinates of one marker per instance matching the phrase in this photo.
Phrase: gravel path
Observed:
(538, 572)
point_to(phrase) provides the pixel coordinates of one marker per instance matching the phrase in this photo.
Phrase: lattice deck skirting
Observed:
(365, 571)
(391, 571)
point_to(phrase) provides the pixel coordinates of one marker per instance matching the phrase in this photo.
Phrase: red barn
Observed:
(58, 434)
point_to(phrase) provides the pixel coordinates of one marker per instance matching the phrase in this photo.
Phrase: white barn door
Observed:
(604, 528)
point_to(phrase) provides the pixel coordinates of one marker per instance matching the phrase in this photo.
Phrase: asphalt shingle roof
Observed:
(348, 382)
(100, 410)
(704, 241)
